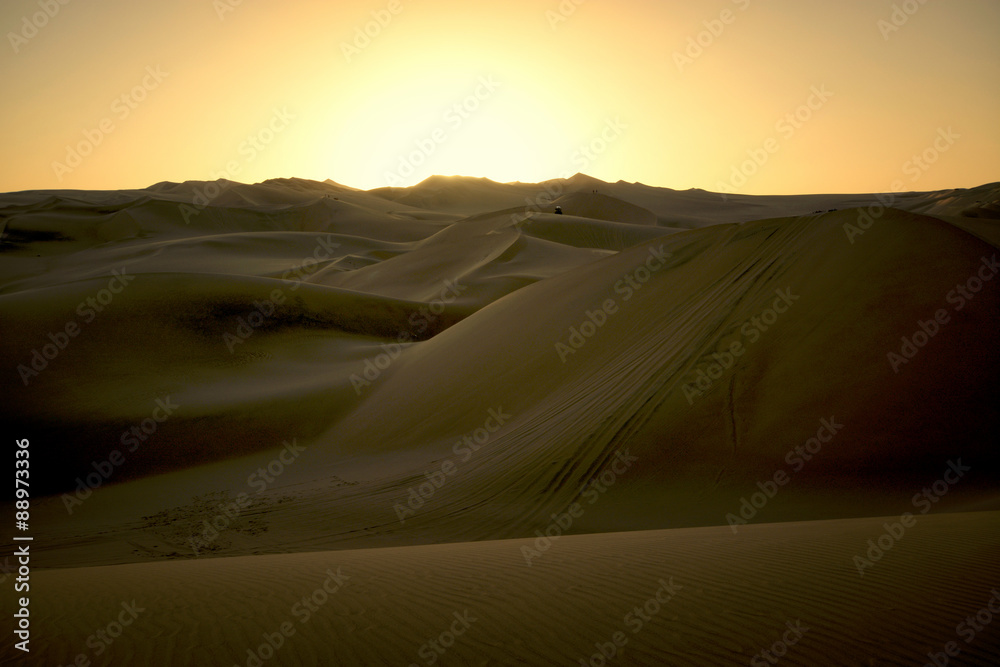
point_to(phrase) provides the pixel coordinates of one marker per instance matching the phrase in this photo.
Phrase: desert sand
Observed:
(674, 427)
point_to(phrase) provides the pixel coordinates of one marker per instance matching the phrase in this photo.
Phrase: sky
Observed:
(749, 96)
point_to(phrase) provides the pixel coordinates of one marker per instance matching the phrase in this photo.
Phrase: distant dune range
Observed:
(308, 367)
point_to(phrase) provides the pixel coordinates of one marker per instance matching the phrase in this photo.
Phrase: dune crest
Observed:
(299, 423)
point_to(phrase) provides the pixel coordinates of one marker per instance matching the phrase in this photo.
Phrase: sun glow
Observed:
(490, 132)
(503, 91)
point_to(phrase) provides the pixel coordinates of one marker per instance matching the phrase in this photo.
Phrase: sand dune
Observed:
(687, 596)
(308, 367)
(602, 207)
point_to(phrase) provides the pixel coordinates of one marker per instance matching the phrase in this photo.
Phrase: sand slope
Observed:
(726, 599)
(235, 393)
(400, 335)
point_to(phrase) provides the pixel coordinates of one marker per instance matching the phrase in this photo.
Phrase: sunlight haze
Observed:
(370, 94)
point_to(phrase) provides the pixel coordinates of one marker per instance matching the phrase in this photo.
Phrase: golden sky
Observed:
(753, 96)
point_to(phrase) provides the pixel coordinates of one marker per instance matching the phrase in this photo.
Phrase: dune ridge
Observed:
(467, 400)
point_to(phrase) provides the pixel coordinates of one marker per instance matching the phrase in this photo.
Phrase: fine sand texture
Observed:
(467, 401)
(690, 596)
